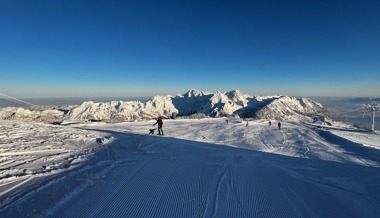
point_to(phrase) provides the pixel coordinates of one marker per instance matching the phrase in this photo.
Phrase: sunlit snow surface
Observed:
(200, 168)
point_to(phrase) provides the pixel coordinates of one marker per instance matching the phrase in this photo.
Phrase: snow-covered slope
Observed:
(233, 103)
(200, 168)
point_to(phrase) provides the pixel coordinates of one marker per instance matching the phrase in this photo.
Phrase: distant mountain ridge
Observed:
(232, 103)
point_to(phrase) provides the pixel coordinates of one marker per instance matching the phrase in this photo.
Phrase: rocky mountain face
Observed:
(233, 103)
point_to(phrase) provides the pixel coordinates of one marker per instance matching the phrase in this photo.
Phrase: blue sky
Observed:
(144, 48)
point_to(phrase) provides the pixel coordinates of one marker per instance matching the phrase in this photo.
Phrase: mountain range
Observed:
(193, 104)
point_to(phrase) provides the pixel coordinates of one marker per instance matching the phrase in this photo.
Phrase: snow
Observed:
(200, 168)
(219, 104)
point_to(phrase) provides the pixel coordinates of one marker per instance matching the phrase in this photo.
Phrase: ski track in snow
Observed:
(210, 169)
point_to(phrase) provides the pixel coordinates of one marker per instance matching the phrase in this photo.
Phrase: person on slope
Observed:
(279, 125)
(160, 123)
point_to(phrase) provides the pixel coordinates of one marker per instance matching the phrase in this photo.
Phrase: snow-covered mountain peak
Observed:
(194, 93)
(219, 97)
(231, 103)
(234, 94)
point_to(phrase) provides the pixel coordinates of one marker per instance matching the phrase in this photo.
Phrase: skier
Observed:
(270, 123)
(279, 125)
(160, 123)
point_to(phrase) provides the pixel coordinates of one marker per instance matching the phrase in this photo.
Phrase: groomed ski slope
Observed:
(207, 168)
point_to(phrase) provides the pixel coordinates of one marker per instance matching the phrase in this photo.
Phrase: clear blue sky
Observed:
(73, 48)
